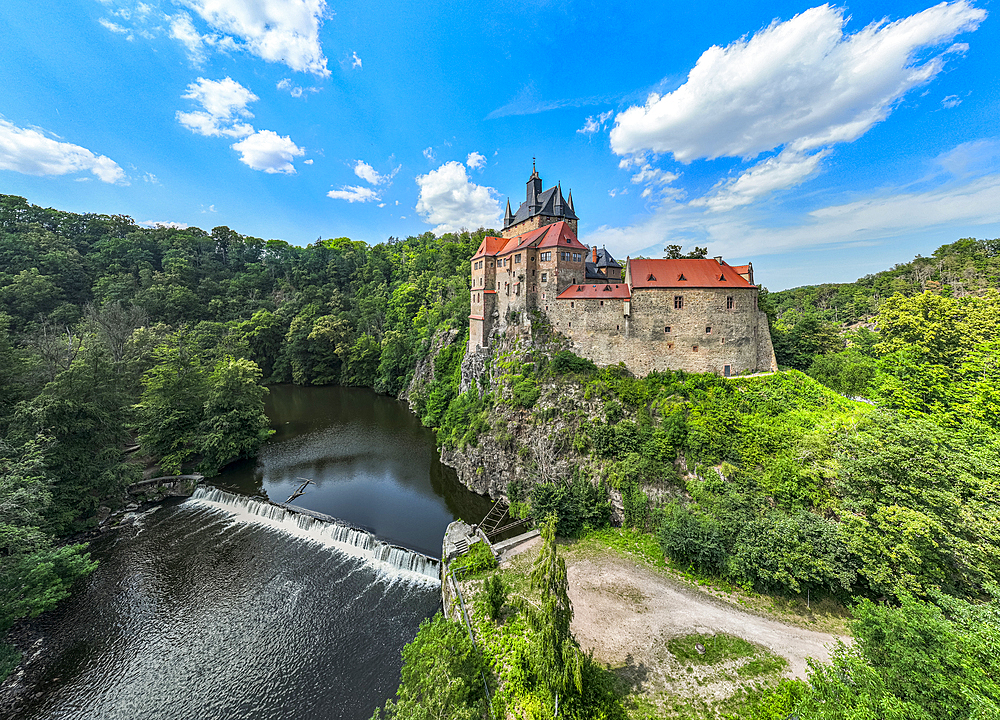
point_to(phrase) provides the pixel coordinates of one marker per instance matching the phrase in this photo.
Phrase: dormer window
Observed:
(580, 288)
(722, 278)
(681, 277)
(651, 278)
(607, 288)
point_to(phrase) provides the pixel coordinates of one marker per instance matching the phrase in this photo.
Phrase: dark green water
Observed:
(223, 607)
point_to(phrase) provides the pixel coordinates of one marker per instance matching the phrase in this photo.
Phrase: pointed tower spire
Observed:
(509, 217)
(569, 200)
(558, 205)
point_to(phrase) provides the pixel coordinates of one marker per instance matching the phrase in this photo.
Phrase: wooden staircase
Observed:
(497, 520)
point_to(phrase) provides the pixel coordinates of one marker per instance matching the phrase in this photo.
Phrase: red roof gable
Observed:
(604, 291)
(562, 234)
(671, 273)
(489, 246)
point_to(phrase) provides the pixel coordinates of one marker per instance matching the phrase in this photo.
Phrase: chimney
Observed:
(718, 259)
(593, 254)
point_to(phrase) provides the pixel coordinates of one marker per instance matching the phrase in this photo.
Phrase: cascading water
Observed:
(334, 534)
(226, 606)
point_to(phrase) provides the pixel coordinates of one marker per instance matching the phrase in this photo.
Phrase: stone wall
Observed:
(533, 223)
(705, 335)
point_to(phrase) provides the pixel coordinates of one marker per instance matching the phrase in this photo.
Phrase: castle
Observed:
(698, 315)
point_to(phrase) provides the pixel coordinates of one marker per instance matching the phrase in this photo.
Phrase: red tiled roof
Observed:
(562, 234)
(741, 269)
(489, 246)
(670, 273)
(548, 236)
(604, 291)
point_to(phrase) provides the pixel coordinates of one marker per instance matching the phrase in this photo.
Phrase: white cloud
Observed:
(475, 161)
(450, 201)
(951, 101)
(224, 102)
(803, 84)
(429, 154)
(307, 162)
(354, 193)
(113, 27)
(30, 151)
(267, 151)
(978, 157)
(285, 31)
(356, 61)
(785, 170)
(151, 178)
(160, 224)
(182, 29)
(294, 90)
(369, 174)
(594, 124)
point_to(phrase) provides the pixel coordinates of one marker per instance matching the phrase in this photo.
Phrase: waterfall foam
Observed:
(392, 559)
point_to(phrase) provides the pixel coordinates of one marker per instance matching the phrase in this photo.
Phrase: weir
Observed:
(324, 530)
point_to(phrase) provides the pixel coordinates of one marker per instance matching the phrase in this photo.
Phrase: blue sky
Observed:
(821, 142)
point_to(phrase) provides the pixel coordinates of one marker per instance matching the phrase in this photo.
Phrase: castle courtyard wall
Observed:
(606, 335)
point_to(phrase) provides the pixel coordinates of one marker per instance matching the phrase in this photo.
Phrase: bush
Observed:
(577, 505)
(524, 392)
(693, 540)
(566, 362)
(479, 559)
(496, 596)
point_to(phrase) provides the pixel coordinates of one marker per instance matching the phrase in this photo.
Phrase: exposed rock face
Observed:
(423, 373)
(162, 487)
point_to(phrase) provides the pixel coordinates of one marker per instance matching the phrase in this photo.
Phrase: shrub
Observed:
(578, 505)
(496, 595)
(524, 392)
(479, 559)
(693, 540)
(566, 361)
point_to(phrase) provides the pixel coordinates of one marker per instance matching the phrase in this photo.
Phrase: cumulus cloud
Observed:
(785, 170)
(353, 194)
(294, 90)
(450, 201)
(594, 124)
(285, 31)
(32, 152)
(802, 83)
(475, 161)
(369, 174)
(269, 152)
(280, 31)
(224, 102)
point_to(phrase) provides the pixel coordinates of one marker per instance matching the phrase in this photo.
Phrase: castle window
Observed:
(545, 256)
(532, 258)
(571, 304)
(517, 259)
(666, 328)
(545, 277)
(708, 329)
(532, 273)
(694, 348)
(729, 303)
(577, 257)
(670, 346)
(602, 303)
(571, 323)
(678, 302)
(618, 327)
(727, 370)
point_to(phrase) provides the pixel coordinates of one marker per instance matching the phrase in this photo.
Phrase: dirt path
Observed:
(625, 612)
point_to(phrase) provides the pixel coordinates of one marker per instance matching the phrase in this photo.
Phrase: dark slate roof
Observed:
(604, 259)
(546, 206)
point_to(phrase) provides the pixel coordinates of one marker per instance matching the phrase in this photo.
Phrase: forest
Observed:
(867, 472)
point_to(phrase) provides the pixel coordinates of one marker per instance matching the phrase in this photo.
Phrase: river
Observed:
(223, 606)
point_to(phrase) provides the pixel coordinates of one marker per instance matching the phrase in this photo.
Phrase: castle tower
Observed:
(540, 208)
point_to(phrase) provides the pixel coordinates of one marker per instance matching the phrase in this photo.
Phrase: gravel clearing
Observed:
(626, 611)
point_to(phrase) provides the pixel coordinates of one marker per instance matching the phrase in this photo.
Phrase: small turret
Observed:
(569, 200)
(534, 188)
(509, 217)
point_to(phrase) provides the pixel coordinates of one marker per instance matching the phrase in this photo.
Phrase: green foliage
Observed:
(495, 594)
(715, 648)
(478, 559)
(565, 362)
(441, 676)
(234, 424)
(692, 540)
(578, 505)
